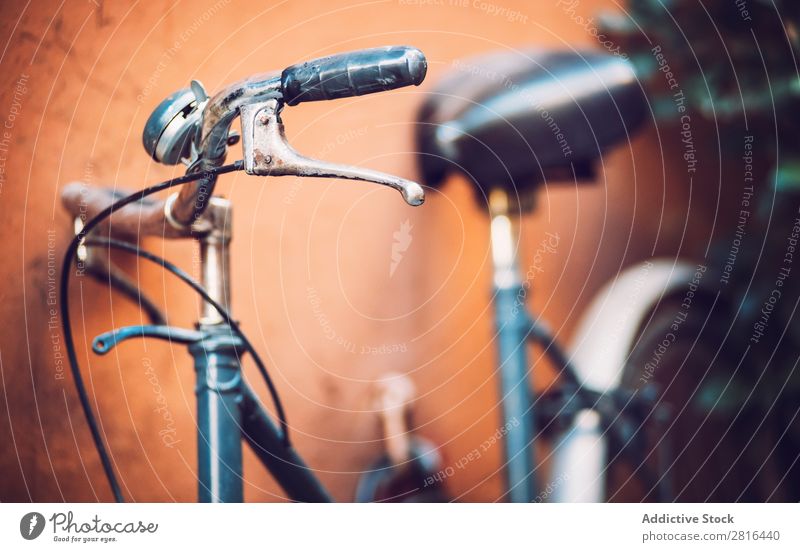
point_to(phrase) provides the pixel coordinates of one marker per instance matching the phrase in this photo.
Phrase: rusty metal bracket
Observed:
(268, 153)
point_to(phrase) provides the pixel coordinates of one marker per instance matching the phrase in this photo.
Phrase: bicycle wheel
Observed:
(716, 444)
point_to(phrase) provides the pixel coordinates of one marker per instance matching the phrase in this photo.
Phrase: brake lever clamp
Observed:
(268, 153)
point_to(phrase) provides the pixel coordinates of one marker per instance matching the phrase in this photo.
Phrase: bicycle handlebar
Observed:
(343, 75)
(143, 218)
(339, 76)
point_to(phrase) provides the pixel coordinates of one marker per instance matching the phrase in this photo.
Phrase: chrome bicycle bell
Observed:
(169, 132)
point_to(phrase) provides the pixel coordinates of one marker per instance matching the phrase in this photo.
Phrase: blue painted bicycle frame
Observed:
(513, 328)
(228, 412)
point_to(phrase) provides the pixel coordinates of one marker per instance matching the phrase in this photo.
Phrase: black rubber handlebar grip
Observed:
(353, 74)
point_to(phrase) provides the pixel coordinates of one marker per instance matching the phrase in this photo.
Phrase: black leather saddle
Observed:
(517, 119)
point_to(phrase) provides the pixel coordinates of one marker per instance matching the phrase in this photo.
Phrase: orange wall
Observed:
(301, 250)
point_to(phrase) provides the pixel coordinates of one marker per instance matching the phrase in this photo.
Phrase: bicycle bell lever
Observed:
(267, 153)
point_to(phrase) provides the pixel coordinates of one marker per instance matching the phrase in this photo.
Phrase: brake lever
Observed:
(268, 153)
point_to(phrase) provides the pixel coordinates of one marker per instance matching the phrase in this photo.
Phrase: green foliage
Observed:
(736, 60)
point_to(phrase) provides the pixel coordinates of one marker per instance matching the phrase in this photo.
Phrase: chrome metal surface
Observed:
(170, 128)
(215, 260)
(504, 241)
(224, 106)
(267, 153)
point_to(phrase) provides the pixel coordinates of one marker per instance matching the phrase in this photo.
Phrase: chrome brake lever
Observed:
(267, 153)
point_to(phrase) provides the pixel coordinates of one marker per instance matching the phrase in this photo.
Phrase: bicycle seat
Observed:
(516, 119)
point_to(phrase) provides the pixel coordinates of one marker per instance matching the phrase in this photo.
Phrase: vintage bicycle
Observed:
(684, 370)
(509, 122)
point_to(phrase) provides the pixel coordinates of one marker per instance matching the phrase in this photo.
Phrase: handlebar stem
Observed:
(215, 260)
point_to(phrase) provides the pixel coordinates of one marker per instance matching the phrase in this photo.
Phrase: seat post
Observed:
(513, 326)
